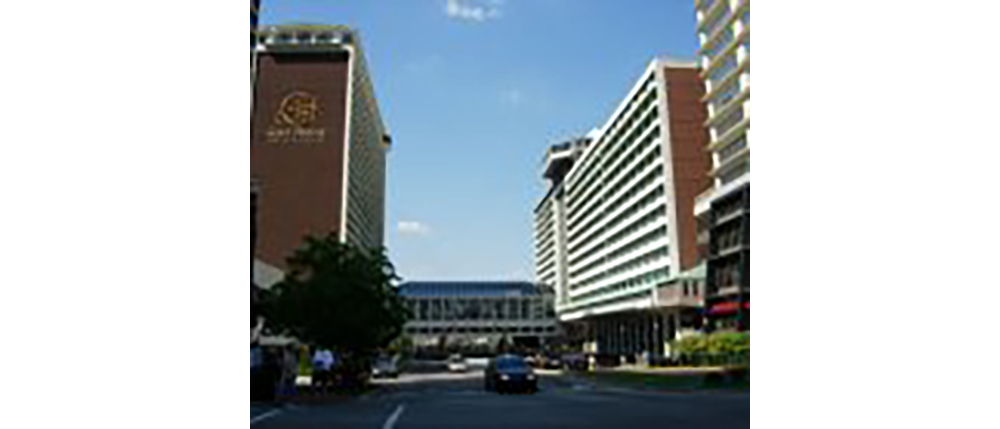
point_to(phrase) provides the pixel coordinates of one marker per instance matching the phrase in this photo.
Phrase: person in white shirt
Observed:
(322, 369)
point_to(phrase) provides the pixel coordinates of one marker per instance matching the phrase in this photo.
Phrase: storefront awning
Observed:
(727, 308)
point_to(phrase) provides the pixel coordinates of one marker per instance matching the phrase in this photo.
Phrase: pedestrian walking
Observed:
(322, 370)
(289, 372)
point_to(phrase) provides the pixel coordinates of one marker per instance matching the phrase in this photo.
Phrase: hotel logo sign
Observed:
(294, 121)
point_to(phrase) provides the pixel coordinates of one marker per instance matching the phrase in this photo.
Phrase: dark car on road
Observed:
(510, 373)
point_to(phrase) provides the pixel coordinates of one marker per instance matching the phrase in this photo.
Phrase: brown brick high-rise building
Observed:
(254, 19)
(318, 144)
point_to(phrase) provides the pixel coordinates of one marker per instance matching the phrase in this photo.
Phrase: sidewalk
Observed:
(305, 396)
(683, 380)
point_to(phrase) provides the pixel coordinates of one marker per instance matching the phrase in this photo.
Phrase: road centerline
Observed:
(394, 418)
(264, 416)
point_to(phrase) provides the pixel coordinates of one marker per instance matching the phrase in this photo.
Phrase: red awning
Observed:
(724, 308)
(727, 308)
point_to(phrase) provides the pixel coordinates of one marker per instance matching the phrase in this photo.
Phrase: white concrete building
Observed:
(623, 215)
(724, 32)
(471, 314)
(551, 256)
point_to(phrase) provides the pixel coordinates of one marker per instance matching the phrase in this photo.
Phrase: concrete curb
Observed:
(692, 392)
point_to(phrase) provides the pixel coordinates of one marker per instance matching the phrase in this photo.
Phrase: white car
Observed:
(457, 364)
(386, 367)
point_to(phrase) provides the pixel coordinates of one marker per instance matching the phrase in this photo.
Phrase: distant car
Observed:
(385, 367)
(457, 364)
(509, 373)
(576, 362)
(552, 362)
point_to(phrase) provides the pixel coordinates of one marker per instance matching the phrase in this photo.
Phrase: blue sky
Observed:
(473, 92)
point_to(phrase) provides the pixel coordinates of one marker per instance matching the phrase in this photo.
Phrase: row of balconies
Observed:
(493, 323)
(550, 330)
(625, 162)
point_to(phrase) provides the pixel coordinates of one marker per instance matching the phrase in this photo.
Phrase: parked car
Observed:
(510, 373)
(386, 367)
(457, 364)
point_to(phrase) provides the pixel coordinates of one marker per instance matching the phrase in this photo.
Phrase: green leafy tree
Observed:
(339, 297)
(402, 345)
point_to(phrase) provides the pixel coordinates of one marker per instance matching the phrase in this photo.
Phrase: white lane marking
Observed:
(264, 416)
(394, 418)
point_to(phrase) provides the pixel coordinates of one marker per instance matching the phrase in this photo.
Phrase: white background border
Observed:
(122, 169)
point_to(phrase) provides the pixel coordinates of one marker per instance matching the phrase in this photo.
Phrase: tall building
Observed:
(551, 257)
(625, 202)
(724, 211)
(318, 144)
(254, 18)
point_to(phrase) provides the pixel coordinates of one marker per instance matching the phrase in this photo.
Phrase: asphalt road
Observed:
(450, 401)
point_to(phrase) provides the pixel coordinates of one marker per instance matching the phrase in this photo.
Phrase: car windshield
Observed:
(511, 364)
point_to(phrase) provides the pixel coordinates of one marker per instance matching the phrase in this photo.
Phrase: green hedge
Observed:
(722, 343)
(723, 349)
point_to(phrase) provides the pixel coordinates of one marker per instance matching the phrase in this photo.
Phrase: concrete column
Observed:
(626, 336)
(677, 325)
(622, 335)
(637, 330)
(619, 336)
(612, 332)
(651, 333)
(599, 336)
(647, 337)
(628, 332)
(661, 337)
(602, 337)
(640, 335)
(657, 334)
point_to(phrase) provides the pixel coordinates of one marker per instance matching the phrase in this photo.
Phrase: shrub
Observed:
(721, 349)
